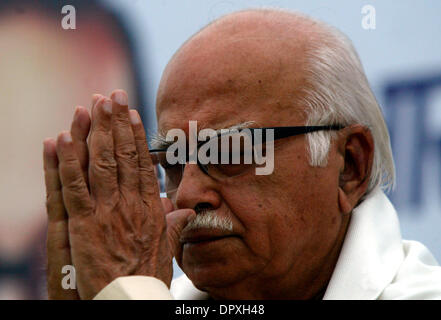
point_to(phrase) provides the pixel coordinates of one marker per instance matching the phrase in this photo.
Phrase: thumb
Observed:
(176, 221)
(167, 205)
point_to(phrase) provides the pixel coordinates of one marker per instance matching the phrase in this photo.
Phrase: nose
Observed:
(196, 188)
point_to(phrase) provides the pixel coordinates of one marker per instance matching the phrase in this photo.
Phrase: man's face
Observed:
(286, 224)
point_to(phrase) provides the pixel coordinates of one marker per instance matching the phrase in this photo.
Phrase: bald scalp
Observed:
(262, 23)
(271, 43)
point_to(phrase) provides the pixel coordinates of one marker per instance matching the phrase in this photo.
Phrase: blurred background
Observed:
(47, 70)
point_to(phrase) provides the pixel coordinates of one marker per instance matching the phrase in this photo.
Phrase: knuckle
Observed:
(121, 123)
(54, 202)
(75, 184)
(71, 175)
(148, 172)
(104, 163)
(121, 118)
(149, 192)
(100, 140)
(70, 162)
(78, 204)
(138, 128)
(100, 133)
(127, 152)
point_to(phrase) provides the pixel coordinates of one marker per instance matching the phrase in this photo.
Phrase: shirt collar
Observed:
(372, 251)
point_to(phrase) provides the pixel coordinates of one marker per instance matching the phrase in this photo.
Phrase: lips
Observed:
(204, 235)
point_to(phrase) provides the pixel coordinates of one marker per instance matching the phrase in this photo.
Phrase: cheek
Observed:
(312, 219)
(296, 214)
(272, 228)
(266, 208)
(251, 211)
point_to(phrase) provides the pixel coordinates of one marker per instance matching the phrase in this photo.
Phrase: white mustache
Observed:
(209, 219)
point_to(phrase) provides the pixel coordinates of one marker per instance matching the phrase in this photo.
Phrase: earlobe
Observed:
(357, 148)
(343, 202)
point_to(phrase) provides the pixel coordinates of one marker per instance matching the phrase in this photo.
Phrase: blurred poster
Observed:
(47, 70)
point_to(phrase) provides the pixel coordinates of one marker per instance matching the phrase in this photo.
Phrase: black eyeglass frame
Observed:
(279, 133)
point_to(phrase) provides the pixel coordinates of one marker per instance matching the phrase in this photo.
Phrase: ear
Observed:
(356, 146)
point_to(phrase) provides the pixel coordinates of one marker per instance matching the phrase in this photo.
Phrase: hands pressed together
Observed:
(105, 216)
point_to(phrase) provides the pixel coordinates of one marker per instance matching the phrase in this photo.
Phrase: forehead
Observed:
(221, 82)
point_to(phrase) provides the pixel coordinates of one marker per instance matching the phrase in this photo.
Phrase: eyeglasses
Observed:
(224, 155)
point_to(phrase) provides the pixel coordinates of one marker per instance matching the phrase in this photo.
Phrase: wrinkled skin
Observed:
(288, 227)
(112, 222)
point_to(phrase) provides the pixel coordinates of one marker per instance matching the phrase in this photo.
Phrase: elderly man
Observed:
(319, 226)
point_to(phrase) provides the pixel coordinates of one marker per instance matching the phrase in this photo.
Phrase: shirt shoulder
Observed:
(135, 288)
(418, 277)
(183, 289)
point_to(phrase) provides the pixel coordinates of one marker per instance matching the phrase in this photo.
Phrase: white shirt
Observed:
(374, 263)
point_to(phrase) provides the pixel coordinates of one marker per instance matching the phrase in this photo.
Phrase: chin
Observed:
(216, 264)
(209, 275)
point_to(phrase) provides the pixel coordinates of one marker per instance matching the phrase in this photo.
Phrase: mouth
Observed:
(201, 236)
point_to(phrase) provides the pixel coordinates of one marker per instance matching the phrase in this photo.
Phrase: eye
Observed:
(174, 171)
(167, 166)
(231, 170)
(160, 158)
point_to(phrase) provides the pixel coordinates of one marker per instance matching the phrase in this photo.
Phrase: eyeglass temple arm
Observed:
(284, 132)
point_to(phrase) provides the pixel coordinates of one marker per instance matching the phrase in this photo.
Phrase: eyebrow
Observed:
(159, 140)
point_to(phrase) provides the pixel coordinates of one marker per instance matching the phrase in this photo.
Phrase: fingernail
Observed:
(120, 97)
(66, 137)
(49, 147)
(46, 144)
(95, 98)
(134, 117)
(77, 112)
(107, 106)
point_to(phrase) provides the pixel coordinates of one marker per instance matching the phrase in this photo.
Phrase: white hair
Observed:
(339, 93)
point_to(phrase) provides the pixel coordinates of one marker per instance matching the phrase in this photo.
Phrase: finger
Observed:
(167, 204)
(103, 179)
(54, 198)
(147, 175)
(124, 142)
(79, 131)
(57, 243)
(176, 221)
(95, 98)
(75, 193)
(58, 256)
